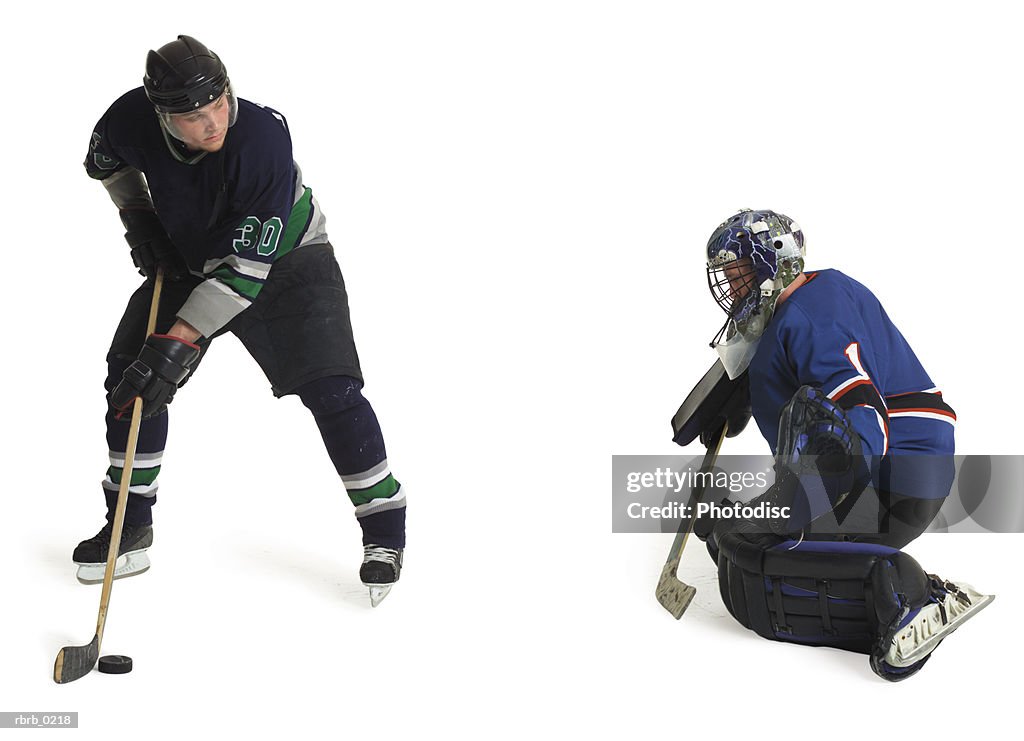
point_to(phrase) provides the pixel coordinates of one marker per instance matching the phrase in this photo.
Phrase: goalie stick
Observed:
(74, 662)
(673, 594)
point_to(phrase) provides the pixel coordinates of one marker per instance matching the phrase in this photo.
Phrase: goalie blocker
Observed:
(859, 597)
(715, 400)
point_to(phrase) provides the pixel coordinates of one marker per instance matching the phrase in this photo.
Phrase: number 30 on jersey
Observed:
(261, 235)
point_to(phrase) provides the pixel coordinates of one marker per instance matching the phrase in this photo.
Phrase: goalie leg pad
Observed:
(852, 596)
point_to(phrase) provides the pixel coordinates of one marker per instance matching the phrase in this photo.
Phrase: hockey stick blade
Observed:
(74, 662)
(673, 594)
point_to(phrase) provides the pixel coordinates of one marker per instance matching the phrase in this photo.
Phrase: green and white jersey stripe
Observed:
(233, 281)
(244, 277)
(306, 224)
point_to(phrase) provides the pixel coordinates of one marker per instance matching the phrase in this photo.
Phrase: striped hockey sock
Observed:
(353, 439)
(149, 455)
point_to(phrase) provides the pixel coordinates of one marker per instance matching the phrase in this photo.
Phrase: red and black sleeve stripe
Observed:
(922, 402)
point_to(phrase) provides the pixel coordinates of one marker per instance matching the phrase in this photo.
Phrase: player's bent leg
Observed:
(355, 444)
(149, 453)
(901, 519)
(859, 597)
(867, 516)
(137, 535)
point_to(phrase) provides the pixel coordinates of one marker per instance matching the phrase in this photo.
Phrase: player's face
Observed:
(204, 129)
(740, 274)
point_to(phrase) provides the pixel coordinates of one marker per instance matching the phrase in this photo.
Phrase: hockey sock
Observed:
(355, 444)
(148, 456)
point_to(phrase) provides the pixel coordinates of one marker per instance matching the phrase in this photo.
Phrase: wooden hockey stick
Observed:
(673, 594)
(74, 662)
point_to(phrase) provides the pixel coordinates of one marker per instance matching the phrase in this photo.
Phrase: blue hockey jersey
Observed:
(230, 213)
(833, 333)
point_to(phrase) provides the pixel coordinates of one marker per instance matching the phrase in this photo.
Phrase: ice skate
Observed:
(91, 554)
(380, 570)
(956, 603)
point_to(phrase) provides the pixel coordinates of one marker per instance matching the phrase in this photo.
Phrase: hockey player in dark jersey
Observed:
(208, 192)
(863, 441)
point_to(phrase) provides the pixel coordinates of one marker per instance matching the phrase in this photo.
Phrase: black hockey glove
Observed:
(151, 247)
(736, 410)
(162, 365)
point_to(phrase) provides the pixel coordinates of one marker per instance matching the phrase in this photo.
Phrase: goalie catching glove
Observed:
(162, 365)
(818, 459)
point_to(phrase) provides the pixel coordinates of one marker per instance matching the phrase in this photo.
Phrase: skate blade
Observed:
(918, 639)
(129, 564)
(378, 592)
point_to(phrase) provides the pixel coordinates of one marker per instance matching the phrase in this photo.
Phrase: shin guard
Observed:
(852, 596)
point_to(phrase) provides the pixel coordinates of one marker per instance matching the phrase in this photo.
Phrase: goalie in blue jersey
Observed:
(863, 441)
(208, 191)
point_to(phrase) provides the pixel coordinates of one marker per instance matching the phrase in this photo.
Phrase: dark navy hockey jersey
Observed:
(230, 213)
(833, 333)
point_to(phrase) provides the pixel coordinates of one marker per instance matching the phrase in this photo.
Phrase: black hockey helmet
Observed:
(184, 75)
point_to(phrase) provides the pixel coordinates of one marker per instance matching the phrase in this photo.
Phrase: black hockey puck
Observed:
(115, 664)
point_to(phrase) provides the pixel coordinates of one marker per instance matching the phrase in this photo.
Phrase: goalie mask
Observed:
(752, 257)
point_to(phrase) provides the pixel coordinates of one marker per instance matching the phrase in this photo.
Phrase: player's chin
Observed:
(212, 144)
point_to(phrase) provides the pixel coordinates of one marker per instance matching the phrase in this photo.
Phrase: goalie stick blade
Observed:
(674, 595)
(74, 662)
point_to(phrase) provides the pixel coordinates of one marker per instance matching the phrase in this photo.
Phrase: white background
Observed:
(519, 194)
